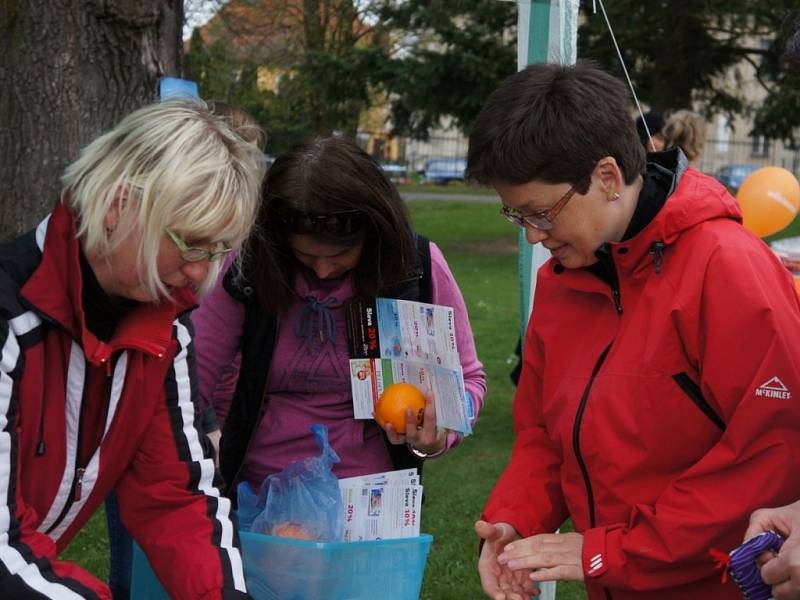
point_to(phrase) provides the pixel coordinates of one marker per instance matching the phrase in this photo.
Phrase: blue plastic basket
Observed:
(287, 569)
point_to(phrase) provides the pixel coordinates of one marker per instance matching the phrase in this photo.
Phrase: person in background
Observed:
(641, 413)
(331, 228)
(97, 368)
(120, 544)
(649, 126)
(686, 130)
(782, 571)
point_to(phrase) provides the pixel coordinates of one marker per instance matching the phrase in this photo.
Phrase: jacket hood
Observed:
(693, 199)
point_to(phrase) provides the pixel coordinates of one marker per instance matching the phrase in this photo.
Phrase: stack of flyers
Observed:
(381, 506)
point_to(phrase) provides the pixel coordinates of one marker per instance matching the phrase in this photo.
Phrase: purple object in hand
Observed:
(743, 567)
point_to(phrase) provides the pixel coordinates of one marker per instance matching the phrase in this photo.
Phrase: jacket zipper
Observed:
(657, 252)
(76, 490)
(617, 300)
(692, 390)
(576, 444)
(608, 274)
(576, 432)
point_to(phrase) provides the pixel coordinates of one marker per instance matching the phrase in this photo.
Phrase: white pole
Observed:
(547, 31)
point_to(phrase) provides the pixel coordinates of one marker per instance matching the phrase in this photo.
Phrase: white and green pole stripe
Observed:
(547, 31)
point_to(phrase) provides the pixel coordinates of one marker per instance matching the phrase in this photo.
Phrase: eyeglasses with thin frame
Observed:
(541, 219)
(197, 254)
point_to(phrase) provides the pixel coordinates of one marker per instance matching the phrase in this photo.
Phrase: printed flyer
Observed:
(394, 341)
(381, 506)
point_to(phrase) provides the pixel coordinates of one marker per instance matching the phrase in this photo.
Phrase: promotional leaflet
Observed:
(394, 341)
(381, 506)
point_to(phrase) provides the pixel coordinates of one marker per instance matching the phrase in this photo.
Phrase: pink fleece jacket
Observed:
(309, 378)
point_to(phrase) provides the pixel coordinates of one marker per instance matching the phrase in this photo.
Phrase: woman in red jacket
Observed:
(657, 403)
(97, 377)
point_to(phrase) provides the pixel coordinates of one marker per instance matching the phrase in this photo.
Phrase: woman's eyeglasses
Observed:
(541, 219)
(197, 254)
(341, 224)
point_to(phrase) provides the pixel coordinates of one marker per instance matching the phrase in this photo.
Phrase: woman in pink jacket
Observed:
(331, 228)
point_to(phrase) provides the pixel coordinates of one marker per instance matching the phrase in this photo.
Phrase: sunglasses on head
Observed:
(340, 224)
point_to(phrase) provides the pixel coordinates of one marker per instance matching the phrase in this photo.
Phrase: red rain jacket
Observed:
(79, 417)
(660, 426)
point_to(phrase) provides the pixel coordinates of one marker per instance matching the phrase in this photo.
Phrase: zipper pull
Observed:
(657, 251)
(617, 300)
(78, 483)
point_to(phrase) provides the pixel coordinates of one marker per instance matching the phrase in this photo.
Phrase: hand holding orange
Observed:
(393, 403)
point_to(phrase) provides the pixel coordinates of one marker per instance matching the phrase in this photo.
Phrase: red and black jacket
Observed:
(80, 416)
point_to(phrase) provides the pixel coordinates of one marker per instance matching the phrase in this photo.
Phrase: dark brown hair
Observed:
(553, 123)
(323, 176)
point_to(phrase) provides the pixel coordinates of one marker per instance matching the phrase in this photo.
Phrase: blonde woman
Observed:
(97, 373)
(686, 130)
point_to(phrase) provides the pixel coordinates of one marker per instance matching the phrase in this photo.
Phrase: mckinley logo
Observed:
(774, 388)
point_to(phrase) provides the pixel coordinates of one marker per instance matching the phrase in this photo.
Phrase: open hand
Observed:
(548, 556)
(498, 580)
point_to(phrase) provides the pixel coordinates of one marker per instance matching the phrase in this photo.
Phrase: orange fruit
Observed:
(393, 403)
(291, 530)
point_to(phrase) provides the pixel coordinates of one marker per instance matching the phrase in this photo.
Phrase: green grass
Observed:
(454, 187)
(791, 230)
(90, 547)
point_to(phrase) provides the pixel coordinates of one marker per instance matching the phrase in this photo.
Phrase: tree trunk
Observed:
(68, 72)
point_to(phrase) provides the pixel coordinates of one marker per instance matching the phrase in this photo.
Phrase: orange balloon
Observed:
(393, 403)
(797, 283)
(770, 198)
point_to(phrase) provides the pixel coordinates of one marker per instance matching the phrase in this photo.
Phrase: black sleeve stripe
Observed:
(181, 397)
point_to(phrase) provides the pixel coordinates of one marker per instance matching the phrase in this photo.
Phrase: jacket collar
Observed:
(55, 288)
(693, 198)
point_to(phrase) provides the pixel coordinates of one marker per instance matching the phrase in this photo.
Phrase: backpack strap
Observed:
(426, 282)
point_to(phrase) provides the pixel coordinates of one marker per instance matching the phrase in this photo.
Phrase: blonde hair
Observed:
(169, 165)
(686, 130)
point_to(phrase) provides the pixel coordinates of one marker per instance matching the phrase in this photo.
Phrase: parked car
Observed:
(444, 170)
(733, 175)
(398, 174)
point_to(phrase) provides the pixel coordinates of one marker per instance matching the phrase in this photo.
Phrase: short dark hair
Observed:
(553, 123)
(320, 177)
(654, 123)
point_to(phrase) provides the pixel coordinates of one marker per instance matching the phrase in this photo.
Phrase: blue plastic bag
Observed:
(250, 504)
(302, 501)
